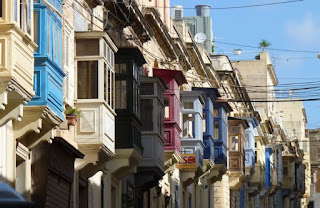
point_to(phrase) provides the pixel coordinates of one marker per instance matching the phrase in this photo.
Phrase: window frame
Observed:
(25, 24)
(103, 84)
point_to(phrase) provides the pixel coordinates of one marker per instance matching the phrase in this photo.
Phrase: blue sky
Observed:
(294, 26)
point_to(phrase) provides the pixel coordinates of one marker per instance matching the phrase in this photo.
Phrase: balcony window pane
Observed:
(188, 105)
(234, 143)
(147, 114)
(110, 87)
(247, 140)
(87, 47)
(121, 92)
(188, 125)
(87, 80)
(29, 17)
(216, 113)
(48, 35)
(204, 129)
(105, 83)
(36, 28)
(166, 107)
(0, 8)
(160, 118)
(147, 88)
(216, 130)
(136, 98)
(121, 68)
(15, 8)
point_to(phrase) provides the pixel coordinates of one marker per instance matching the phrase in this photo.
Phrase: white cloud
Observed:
(305, 31)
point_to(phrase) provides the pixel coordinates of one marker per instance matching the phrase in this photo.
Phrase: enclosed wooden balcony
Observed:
(236, 130)
(172, 128)
(95, 97)
(151, 168)
(16, 63)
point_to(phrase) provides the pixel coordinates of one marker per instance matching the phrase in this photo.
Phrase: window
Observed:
(285, 171)
(48, 35)
(234, 143)
(188, 120)
(216, 130)
(216, 113)
(147, 89)
(24, 12)
(121, 92)
(121, 68)
(36, 27)
(255, 156)
(247, 140)
(87, 47)
(147, 114)
(204, 128)
(87, 79)
(166, 107)
(160, 118)
(188, 105)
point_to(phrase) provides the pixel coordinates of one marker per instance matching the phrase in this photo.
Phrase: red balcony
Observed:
(172, 128)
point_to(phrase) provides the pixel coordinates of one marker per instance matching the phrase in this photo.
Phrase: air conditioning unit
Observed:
(177, 12)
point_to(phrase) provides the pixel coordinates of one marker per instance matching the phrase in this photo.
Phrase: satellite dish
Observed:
(200, 37)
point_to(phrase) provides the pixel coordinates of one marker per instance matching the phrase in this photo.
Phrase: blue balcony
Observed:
(249, 144)
(208, 118)
(221, 109)
(48, 73)
(268, 172)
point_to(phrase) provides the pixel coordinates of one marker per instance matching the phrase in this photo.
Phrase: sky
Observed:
(293, 26)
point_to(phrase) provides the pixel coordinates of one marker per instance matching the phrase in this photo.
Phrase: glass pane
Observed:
(54, 41)
(216, 113)
(121, 68)
(35, 28)
(109, 86)
(147, 114)
(121, 92)
(48, 34)
(166, 108)
(29, 17)
(15, 10)
(147, 88)
(160, 118)
(234, 143)
(216, 130)
(247, 140)
(105, 83)
(87, 79)
(188, 105)
(188, 125)
(87, 47)
(204, 129)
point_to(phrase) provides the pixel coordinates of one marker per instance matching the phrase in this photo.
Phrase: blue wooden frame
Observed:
(268, 172)
(48, 73)
(221, 141)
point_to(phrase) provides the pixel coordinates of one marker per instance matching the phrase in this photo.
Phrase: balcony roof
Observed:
(168, 74)
(212, 93)
(133, 52)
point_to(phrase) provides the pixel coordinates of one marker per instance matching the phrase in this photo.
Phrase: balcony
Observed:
(221, 109)
(249, 146)
(172, 128)
(129, 148)
(268, 173)
(95, 97)
(151, 168)
(236, 130)
(16, 71)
